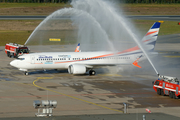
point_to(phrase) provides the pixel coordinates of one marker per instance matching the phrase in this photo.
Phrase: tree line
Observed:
(66, 1)
(152, 1)
(35, 1)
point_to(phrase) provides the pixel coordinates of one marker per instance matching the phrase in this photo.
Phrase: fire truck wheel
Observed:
(158, 91)
(26, 73)
(14, 56)
(170, 95)
(162, 92)
(174, 96)
(8, 54)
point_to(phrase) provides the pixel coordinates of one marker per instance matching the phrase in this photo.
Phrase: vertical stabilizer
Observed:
(151, 36)
(77, 48)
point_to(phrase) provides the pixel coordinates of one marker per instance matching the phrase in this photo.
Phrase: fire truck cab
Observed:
(167, 86)
(15, 50)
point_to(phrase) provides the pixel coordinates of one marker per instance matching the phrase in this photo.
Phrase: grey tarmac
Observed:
(84, 97)
(139, 17)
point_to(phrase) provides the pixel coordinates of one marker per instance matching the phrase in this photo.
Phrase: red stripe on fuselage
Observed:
(101, 56)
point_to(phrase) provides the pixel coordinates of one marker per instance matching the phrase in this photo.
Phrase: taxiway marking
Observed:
(172, 56)
(17, 82)
(72, 96)
(76, 94)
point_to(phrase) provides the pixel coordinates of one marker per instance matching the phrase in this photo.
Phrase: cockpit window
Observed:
(21, 58)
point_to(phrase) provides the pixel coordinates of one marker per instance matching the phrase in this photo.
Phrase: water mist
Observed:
(103, 12)
(98, 22)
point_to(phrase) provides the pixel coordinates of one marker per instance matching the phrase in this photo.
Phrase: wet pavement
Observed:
(135, 116)
(88, 97)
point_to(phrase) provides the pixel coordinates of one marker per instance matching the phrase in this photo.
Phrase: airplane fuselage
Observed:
(62, 60)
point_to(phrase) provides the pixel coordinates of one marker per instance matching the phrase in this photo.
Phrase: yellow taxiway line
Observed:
(172, 56)
(70, 96)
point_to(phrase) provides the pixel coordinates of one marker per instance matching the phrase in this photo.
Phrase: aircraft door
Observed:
(32, 59)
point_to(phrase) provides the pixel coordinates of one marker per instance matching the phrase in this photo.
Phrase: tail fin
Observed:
(77, 48)
(149, 40)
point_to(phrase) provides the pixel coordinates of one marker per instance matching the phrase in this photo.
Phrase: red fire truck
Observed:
(167, 86)
(15, 50)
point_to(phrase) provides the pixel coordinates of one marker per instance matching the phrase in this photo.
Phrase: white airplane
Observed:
(82, 62)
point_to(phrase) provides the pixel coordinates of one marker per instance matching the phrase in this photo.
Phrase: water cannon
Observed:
(168, 78)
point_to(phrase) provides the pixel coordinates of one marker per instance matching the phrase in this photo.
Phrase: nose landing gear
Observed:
(26, 73)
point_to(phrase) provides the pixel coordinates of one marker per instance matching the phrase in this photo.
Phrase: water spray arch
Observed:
(101, 6)
(87, 21)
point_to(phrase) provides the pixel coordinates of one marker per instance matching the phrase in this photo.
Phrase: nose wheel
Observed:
(92, 72)
(26, 73)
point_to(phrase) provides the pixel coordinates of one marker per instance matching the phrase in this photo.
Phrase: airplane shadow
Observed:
(47, 72)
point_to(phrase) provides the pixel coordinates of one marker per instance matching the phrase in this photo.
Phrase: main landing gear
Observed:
(92, 72)
(26, 73)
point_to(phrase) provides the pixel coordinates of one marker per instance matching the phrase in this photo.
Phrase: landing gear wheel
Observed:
(174, 96)
(162, 92)
(170, 94)
(10, 55)
(26, 73)
(159, 91)
(92, 72)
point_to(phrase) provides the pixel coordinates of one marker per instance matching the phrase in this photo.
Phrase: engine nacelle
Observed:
(77, 69)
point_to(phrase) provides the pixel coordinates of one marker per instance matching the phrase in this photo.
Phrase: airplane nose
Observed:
(13, 63)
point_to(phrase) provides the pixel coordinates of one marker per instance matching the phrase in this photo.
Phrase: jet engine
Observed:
(77, 69)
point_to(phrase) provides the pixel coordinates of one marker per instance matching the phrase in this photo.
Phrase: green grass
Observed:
(19, 37)
(151, 5)
(42, 37)
(69, 36)
(168, 27)
(11, 5)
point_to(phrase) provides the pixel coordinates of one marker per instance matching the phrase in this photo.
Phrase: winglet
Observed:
(77, 48)
(135, 63)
